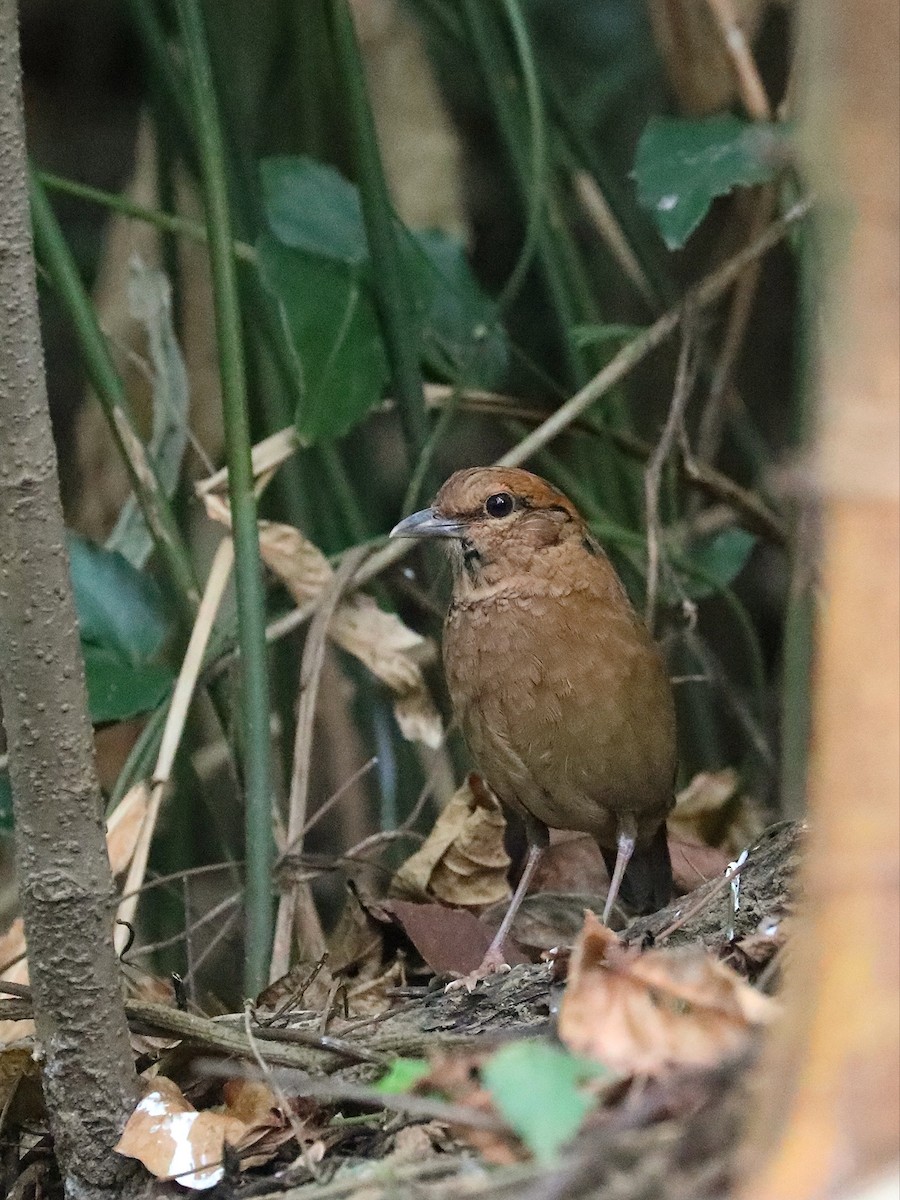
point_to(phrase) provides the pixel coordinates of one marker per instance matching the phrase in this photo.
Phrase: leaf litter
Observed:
(380, 1070)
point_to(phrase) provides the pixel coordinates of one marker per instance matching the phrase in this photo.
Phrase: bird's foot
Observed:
(493, 963)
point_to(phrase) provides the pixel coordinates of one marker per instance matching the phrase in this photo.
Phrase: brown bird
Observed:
(561, 693)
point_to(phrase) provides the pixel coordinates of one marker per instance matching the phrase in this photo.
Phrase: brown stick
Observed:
(64, 876)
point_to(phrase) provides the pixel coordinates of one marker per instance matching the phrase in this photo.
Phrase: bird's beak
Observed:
(428, 524)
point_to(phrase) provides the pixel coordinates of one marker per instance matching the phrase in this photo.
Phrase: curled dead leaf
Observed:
(174, 1141)
(392, 651)
(463, 860)
(714, 811)
(395, 654)
(641, 1013)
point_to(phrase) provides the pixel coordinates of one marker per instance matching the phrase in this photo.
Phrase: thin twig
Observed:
(750, 85)
(704, 901)
(756, 102)
(286, 1107)
(310, 673)
(190, 928)
(596, 208)
(684, 385)
(320, 812)
(218, 937)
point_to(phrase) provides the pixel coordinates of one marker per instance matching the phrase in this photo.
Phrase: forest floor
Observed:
(619, 1072)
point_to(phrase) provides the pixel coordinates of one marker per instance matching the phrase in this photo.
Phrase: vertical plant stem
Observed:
(64, 876)
(57, 259)
(248, 574)
(393, 290)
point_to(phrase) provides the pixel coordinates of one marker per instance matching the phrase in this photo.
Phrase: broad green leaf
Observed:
(311, 207)
(119, 608)
(330, 320)
(118, 690)
(682, 165)
(462, 335)
(403, 1075)
(714, 562)
(538, 1089)
(150, 302)
(6, 808)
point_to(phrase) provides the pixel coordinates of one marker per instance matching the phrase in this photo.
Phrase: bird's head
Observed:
(497, 519)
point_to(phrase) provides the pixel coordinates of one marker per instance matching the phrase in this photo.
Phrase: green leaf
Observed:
(150, 302)
(119, 608)
(118, 690)
(403, 1075)
(6, 804)
(330, 320)
(311, 207)
(459, 321)
(682, 165)
(538, 1090)
(715, 561)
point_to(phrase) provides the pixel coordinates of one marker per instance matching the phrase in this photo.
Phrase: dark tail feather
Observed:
(647, 884)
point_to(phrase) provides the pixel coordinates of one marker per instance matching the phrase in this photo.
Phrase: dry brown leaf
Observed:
(713, 810)
(392, 651)
(643, 1013)
(452, 941)
(174, 1141)
(299, 564)
(463, 860)
(306, 986)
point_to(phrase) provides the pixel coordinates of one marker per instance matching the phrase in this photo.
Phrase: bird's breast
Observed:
(564, 702)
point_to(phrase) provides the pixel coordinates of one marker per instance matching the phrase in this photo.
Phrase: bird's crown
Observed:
(479, 492)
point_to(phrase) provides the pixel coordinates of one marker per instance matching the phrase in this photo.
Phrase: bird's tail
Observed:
(647, 884)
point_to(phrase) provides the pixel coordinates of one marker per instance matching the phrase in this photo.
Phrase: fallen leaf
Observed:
(641, 1013)
(306, 986)
(452, 941)
(414, 1143)
(713, 811)
(694, 863)
(463, 860)
(571, 863)
(174, 1141)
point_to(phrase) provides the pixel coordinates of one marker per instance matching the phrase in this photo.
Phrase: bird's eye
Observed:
(499, 505)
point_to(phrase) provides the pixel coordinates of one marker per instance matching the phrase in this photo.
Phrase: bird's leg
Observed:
(493, 961)
(624, 850)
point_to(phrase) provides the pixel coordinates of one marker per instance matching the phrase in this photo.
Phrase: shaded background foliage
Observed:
(516, 292)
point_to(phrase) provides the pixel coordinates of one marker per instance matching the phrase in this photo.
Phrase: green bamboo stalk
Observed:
(248, 574)
(393, 290)
(57, 260)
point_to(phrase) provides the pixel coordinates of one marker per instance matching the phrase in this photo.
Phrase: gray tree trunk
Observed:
(66, 888)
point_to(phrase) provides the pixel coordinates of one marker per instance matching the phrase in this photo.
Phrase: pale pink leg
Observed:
(623, 854)
(493, 961)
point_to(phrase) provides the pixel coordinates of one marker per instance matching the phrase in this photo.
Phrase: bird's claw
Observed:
(493, 963)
